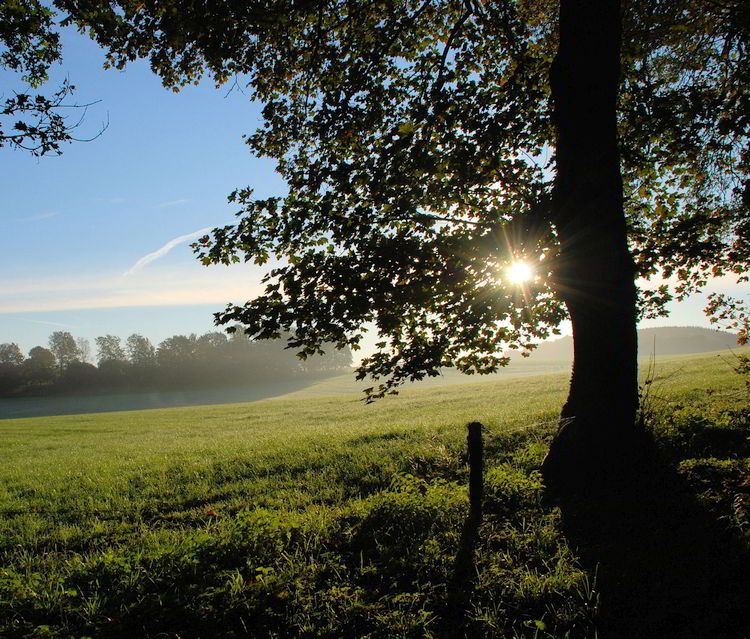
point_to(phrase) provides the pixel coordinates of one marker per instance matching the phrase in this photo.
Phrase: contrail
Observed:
(150, 257)
(23, 319)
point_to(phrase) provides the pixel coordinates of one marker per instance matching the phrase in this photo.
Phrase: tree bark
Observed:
(598, 440)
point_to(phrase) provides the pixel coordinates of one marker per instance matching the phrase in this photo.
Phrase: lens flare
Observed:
(520, 272)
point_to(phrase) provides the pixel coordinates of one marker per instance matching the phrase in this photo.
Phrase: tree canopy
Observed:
(109, 349)
(418, 143)
(63, 345)
(34, 121)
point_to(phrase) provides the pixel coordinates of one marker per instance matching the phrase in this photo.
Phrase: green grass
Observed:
(321, 517)
(296, 388)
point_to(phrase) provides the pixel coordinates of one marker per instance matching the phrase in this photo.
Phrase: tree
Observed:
(10, 355)
(112, 362)
(64, 348)
(212, 347)
(11, 360)
(40, 366)
(430, 145)
(177, 351)
(141, 352)
(79, 377)
(84, 349)
(109, 349)
(29, 45)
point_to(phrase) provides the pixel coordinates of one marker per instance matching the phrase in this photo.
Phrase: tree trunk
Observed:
(599, 439)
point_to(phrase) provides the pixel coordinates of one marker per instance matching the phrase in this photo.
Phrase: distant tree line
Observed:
(180, 361)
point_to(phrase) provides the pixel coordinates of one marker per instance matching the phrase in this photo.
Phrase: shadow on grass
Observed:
(464, 574)
(666, 565)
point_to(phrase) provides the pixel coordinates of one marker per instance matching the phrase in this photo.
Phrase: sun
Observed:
(520, 272)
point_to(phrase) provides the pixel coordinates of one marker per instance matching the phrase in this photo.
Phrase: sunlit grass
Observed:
(133, 496)
(120, 467)
(71, 475)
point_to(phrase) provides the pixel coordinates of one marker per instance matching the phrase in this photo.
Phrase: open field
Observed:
(298, 388)
(302, 387)
(552, 357)
(316, 516)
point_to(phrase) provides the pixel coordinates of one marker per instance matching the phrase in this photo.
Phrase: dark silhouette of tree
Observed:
(63, 346)
(113, 365)
(595, 275)
(80, 378)
(109, 349)
(178, 350)
(29, 46)
(10, 355)
(11, 360)
(192, 361)
(209, 344)
(40, 367)
(179, 361)
(141, 352)
(430, 145)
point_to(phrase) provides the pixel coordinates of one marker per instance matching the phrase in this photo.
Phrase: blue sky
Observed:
(79, 228)
(96, 240)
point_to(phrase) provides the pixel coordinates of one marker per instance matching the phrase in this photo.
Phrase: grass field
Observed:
(316, 516)
(296, 388)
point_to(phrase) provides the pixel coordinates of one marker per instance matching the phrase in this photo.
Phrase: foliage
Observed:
(84, 349)
(417, 142)
(78, 375)
(141, 352)
(11, 359)
(685, 144)
(64, 348)
(732, 313)
(10, 355)
(109, 349)
(40, 365)
(30, 45)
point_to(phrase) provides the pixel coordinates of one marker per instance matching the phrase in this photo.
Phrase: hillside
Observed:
(668, 340)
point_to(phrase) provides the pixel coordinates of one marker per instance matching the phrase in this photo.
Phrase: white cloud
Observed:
(150, 257)
(161, 286)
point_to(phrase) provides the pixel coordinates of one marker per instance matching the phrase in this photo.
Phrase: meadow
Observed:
(322, 385)
(315, 516)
